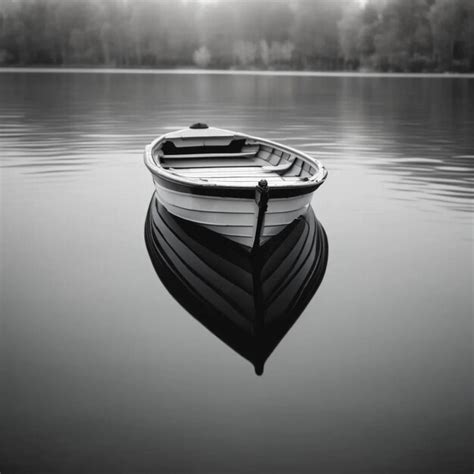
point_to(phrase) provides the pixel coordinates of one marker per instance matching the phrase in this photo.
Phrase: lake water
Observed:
(102, 370)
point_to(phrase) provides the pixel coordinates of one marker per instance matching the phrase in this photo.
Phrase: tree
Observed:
(202, 57)
(245, 52)
(397, 35)
(349, 28)
(452, 27)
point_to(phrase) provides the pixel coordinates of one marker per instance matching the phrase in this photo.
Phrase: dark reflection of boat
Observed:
(248, 299)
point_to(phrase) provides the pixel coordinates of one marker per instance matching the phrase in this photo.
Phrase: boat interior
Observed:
(223, 160)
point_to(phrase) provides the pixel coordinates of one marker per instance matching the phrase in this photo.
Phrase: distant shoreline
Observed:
(251, 72)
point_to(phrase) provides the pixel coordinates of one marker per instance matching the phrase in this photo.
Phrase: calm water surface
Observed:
(103, 371)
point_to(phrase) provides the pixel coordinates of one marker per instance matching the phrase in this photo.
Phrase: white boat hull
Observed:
(234, 218)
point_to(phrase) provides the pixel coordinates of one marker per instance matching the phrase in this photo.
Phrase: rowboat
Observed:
(249, 300)
(243, 187)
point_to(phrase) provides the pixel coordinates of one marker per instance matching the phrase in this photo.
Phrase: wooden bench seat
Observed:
(207, 155)
(212, 162)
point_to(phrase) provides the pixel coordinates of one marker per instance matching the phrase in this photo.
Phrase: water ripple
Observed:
(421, 151)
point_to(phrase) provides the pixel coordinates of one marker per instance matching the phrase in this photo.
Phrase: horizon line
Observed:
(246, 72)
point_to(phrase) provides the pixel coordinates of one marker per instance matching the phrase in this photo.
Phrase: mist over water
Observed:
(104, 371)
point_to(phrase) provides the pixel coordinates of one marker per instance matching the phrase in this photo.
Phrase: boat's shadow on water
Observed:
(247, 299)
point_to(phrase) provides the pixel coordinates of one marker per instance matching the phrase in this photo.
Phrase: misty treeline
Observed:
(385, 35)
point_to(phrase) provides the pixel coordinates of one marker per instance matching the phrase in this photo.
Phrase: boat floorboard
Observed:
(245, 176)
(230, 171)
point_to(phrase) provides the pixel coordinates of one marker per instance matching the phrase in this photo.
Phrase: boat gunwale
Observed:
(195, 187)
